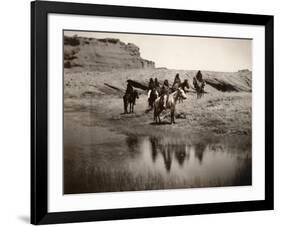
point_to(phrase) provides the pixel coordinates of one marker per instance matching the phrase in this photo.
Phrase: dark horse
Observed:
(199, 84)
(130, 99)
(199, 87)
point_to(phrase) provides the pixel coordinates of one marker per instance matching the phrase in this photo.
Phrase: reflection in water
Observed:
(115, 162)
(132, 142)
(167, 157)
(199, 151)
(154, 145)
(180, 152)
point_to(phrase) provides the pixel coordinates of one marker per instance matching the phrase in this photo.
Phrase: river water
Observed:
(98, 159)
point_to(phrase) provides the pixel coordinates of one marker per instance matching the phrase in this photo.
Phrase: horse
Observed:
(152, 96)
(199, 87)
(171, 104)
(130, 99)
(185, 86)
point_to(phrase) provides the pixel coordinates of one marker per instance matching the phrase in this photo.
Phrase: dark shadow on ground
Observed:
(160, 124)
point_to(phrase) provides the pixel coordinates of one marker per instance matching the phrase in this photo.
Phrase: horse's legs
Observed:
(156, 116)
(125, 105)
(150, 103)
(173, 116)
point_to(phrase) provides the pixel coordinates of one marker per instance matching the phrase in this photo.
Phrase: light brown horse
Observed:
(185, 87)
(171, 104)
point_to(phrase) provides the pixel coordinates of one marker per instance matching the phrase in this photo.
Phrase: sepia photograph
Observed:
(155, 111)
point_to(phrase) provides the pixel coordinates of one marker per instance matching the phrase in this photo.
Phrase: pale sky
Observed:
(183, 52)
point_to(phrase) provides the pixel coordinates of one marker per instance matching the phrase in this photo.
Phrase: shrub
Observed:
(68, 56)
(110, 40)
(73, 41)
(67, 64)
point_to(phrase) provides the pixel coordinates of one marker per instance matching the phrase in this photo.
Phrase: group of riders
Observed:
(165, 90)
(156, 90)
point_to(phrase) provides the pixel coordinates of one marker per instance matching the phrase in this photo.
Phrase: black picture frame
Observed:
(39, 112)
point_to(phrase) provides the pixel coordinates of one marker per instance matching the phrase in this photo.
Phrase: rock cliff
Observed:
(102, 54)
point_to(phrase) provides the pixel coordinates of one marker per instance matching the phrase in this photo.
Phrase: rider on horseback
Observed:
(151, 86)
(199, 76)
(177, 82)
(129, 89)
(130, 97)
(195, 83)
(157, 86)
(165, 93)
(156, 83)
(199, 83)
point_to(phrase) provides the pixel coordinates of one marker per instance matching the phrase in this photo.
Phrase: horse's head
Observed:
(186, 84)
(181, 93)
(155, 92)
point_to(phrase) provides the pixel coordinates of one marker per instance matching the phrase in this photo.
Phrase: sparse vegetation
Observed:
(109, 40)
(73, 41)
(67, 64)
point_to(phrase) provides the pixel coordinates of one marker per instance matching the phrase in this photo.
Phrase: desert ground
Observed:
(106, 150)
